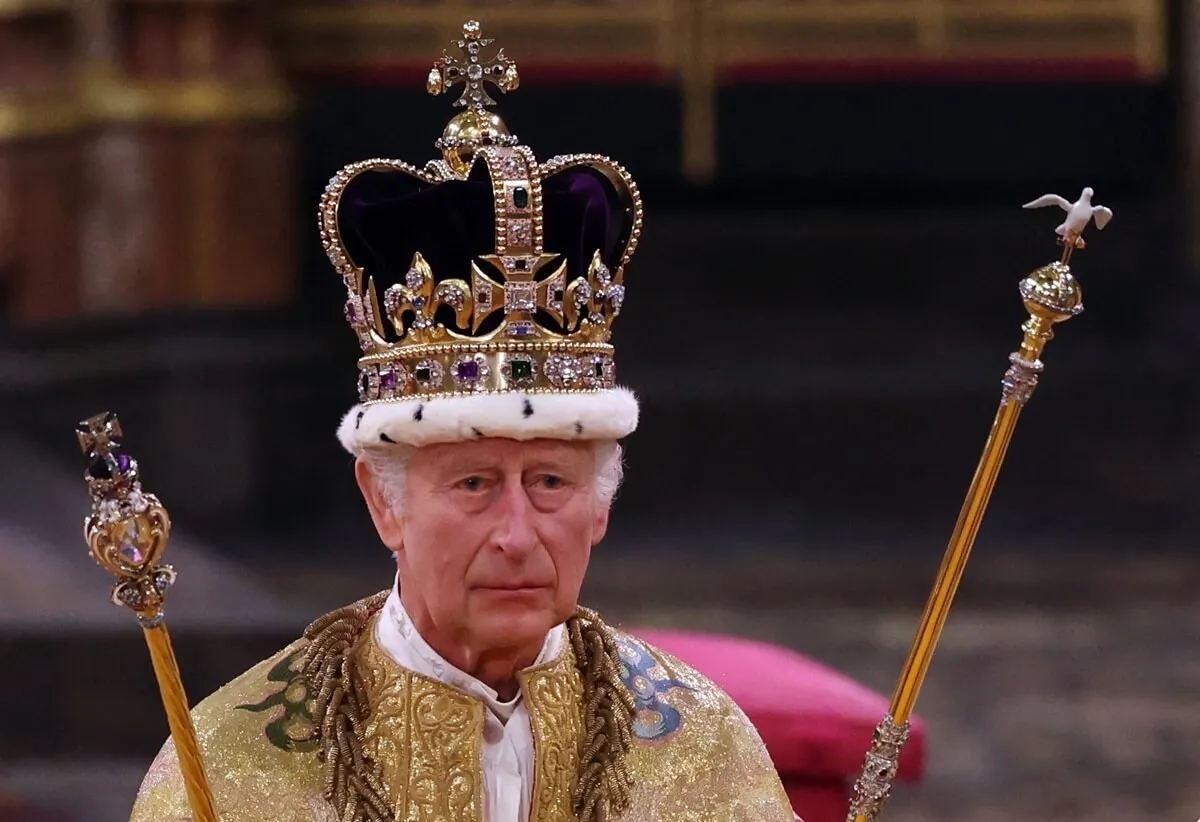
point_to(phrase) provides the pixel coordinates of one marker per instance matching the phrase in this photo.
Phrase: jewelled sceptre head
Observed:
(127, 529)
(127, 532)
(1051, 295)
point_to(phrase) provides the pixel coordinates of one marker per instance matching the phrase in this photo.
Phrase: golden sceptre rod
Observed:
(126, 533)
(1051, 295)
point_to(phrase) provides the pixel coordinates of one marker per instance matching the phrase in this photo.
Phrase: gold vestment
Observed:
(695, 756)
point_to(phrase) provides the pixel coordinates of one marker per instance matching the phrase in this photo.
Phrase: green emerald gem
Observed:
(521, 197)
(521, 369)
(423, 373)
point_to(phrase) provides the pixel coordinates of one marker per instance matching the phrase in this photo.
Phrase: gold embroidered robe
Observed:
(695, 756)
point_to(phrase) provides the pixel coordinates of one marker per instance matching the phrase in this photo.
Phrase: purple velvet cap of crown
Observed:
(387, 216)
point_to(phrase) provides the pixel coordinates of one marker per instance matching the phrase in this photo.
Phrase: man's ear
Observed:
(600, 525)
(389, 526)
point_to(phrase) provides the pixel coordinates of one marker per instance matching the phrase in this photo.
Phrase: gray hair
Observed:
(390, 467)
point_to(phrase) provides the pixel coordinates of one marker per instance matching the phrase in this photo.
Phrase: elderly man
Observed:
(486, 445)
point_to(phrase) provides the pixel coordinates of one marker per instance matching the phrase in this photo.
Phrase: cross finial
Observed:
(474, 72)
(99, 434)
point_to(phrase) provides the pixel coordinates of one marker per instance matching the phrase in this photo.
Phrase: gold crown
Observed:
(520, 319)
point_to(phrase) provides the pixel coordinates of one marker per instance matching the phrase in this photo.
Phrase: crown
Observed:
(499, 274)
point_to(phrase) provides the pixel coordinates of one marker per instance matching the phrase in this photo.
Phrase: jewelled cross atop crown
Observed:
(499, 274)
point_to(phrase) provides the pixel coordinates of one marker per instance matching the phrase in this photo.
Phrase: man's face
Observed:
(494, 539)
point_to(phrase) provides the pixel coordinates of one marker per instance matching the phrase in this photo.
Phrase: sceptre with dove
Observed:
(1051, 295)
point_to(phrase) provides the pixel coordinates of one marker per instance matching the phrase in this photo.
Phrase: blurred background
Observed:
(818, 320)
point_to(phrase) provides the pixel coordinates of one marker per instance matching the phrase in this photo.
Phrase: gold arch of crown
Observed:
(429, 359)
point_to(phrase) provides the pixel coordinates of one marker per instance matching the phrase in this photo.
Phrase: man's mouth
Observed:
(515, 587)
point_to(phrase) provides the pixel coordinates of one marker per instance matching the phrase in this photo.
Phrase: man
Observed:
(486, 445)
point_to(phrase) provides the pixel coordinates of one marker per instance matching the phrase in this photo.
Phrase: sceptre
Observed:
(1051, 295)
(126, 533)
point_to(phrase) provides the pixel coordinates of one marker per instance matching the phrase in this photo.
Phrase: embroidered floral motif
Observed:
(426, 737)
(647, 680)
(293, 729)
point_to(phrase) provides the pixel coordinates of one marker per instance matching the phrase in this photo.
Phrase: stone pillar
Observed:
(190, 184)
(40, 171)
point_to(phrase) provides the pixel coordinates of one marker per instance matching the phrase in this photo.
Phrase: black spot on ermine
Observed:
(358, 419)
(387, 439)
(527, 409)
(578, 428)
(477, 432)
(419, 413)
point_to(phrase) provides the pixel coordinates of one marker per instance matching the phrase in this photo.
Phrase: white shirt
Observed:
(507, 737)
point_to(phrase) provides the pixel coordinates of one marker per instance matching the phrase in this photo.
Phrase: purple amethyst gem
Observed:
(131, 553)
(123, 463)
(387, 380)
(467, 370)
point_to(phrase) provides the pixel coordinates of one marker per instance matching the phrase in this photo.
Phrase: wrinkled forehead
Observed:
(507, 454)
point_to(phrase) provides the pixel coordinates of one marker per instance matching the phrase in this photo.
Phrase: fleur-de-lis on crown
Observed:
(419, 297)
(595, 301)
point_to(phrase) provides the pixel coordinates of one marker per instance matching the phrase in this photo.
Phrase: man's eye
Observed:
(552, 481)
(471, 484)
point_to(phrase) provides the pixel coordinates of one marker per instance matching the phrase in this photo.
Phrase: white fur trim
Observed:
(608, 414)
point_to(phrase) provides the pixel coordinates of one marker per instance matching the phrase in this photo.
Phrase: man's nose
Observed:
(516, 534)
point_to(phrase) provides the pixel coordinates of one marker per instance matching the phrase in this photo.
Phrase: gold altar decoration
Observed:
(24, 8)
(127, 532)
(188, 102)
(697, 47)
(1051, 295)
(28, 116)
(38, 97)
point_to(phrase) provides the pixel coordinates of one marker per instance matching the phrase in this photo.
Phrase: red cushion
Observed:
(816, 723)
(823, 801)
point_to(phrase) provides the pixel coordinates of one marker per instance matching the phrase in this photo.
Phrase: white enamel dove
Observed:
(1079, 213)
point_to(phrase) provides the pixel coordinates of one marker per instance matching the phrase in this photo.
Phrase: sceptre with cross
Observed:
(127, 532)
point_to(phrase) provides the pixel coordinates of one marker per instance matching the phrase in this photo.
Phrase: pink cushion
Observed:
(816, 723)
(823, 801)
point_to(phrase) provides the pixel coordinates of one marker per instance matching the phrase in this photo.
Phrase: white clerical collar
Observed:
(402, 641)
